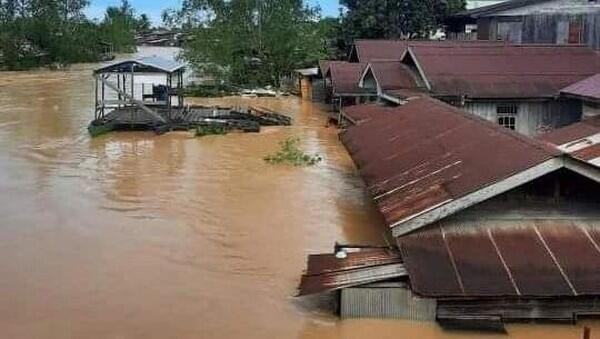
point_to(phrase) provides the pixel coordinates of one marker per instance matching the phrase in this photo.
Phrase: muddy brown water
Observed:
(133, 235)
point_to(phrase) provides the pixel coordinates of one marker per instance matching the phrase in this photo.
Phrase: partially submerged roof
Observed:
(358, 114)
(580, 140)
(507, 71)
(345, 77)
(150, 64)
(429, 160)
(586, 89)
(550, 259)
(326, 272)
(391, 75)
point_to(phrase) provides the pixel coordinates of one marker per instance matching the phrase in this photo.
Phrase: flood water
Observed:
(133, 235)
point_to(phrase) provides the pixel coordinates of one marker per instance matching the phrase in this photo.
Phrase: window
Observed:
(507, 116)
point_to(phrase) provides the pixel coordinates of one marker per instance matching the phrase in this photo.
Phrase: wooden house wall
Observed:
(544, 28)
(533, 117)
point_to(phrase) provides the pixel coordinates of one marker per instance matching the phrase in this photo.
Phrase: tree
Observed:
(250, 42)
(38, 32)
(402, 19)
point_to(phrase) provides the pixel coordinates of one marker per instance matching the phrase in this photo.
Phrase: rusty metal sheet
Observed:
(580, 140)
(374, 50)
(393, 75)
(508, 71)
(578, 255)
(313, 284)
(535, 259)
(379, 50)
(361, 113)
(410, 164)
(479, 266)
(588, 88)
(327, 263)
(530, 264)
(429, 265)
(345, 77)
(572, 132)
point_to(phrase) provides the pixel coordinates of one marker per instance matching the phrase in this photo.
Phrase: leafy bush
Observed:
(290, 153)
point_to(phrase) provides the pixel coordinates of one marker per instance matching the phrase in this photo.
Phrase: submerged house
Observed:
(531, 21)
(489, 225)
(517, 87)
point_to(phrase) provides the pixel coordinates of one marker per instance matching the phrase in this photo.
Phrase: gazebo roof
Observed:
(151, 64)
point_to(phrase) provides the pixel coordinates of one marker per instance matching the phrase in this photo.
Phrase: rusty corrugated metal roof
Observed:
(546, 259)
(326, 272)
(380, 50)
(587, 89)
(580, 140)
(345, 77)
(506, 71)
(393, 75)
(361, 113)
(375, 50)
(428, 153)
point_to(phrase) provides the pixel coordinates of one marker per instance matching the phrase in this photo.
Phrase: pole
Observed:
(96, 97)
(587, 332)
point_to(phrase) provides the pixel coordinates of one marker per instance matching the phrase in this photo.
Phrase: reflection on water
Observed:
(136, 236)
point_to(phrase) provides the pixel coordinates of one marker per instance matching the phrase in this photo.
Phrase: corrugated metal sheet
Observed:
(380, 50)
(325, 272)
(393, 50)
(508, 71)
(393, 75)
(558, 258)
(155, 63)
(358, 114)
(386, 302)
(588, 88)
(429, 153)
(581, 140)
(345, 77)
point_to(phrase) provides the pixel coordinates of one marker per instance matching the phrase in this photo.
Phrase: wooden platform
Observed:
(133, 118)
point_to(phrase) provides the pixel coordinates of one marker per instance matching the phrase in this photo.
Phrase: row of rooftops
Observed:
(470, 70)
(423, 162)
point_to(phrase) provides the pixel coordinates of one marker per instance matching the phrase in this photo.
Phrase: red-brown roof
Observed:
(550, 258)
(428, 153)
(580, 140)
(507, 71)
(358, 114)
(326, 272)
(587, 89)
(324, 66)
(373, 50)
(393, 75)
(380, 50)
(345, 77)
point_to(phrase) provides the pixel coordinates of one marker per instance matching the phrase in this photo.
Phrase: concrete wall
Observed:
(533, 117)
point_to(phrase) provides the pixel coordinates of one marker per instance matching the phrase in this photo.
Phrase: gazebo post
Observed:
(96, 97)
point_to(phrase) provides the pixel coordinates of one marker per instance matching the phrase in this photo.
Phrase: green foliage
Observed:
(290, 153)
(209, 91)
(250, 42)
(211, 130)
(383, 19)
(36, 33)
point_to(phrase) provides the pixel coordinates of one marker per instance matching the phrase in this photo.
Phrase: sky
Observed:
(154, 8)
